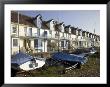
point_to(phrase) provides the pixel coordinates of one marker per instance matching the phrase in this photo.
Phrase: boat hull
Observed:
(29, 65)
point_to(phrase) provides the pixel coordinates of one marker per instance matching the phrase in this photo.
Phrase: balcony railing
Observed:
(63, 37)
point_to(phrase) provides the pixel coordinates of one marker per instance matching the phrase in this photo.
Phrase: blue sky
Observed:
(83, 19)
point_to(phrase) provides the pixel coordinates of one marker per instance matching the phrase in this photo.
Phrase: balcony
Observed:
(64, 38)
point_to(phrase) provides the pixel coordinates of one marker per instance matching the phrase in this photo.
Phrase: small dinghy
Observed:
(23, 61)
(92, 51)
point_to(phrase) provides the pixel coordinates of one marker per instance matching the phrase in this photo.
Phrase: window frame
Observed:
(13, 42)
(14, 26)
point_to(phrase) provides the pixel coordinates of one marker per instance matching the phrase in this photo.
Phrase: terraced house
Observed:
(37, 35)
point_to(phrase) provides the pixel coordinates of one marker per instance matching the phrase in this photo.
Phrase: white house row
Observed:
(35, 34)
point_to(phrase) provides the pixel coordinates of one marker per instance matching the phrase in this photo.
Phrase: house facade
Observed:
(36, 35)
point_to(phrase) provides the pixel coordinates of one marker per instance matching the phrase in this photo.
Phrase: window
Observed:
(63, 34)
(50, 32)
(30, 31)
(30, 65)
(36, 43)
(15, 42)
(79, 33)
(45, 33)
(74, 32)
(62, 43)
(38, 32)
(14, 29)
(33, 64)
(70, 35)
(25, 30)
(56, 35)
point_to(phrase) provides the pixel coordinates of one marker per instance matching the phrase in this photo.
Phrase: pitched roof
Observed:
(67, 26)
(23, 19)
(37, 16)
(49, 21)
(44, 25)
(73, 30)
(57, 27)
(66, 29)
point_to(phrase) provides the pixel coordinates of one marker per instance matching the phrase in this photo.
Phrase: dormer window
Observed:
(53, 22)
(38, 21)
(79, 33)
(69, 30)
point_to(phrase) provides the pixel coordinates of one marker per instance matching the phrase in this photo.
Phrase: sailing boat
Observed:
(24, 61)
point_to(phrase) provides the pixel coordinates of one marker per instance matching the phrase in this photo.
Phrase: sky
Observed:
(83, 19)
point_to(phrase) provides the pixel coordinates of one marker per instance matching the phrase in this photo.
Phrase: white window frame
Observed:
(13, 41)
(16, 29)
(25, 31)
(28, 32)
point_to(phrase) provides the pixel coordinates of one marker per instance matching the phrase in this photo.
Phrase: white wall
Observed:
(53, 34)
(51, 25)
(32, 43)
(21, 42)
(14, 49)
(37, 22)
(62, 28)
(44, 46)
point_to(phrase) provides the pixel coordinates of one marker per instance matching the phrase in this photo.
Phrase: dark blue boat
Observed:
(20, 58)
(60, 56)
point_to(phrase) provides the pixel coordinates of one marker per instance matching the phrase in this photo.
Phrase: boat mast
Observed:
(94, 38)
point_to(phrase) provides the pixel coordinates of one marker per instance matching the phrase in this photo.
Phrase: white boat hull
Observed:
(31, 66)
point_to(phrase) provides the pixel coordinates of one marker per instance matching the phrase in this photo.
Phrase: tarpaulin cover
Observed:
(21, 58)
(67, 57)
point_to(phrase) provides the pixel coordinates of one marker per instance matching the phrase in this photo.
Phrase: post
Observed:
(18, 32)
(58, 36)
